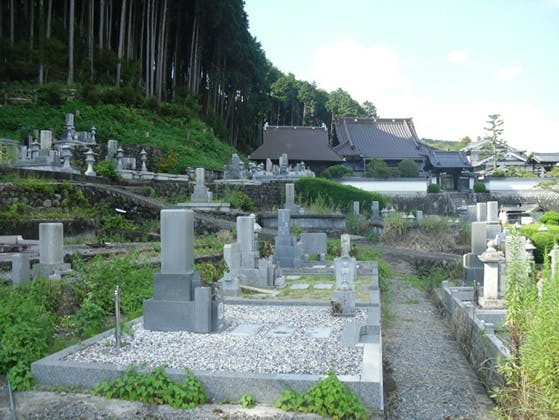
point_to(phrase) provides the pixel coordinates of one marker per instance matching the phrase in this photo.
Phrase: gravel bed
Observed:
(226, 352)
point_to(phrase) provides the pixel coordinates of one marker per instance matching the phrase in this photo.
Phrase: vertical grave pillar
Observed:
(179, 302)
(51, 251)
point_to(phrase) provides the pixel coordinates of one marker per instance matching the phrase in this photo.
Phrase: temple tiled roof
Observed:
(300, 143)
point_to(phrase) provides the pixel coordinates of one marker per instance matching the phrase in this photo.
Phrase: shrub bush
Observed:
(339, 196)
(408, 168)
(154, 387)
(240, 200)
(337, 171)
(550, 218)
(378, 168)
(480, 187)
(107, 169)
(51, 94)
(329, 398)
(433, 188)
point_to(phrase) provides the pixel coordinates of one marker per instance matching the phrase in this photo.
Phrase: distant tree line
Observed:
(171, 50)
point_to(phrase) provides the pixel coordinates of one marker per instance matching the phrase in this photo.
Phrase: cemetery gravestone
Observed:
(287, 252)
(179, 302)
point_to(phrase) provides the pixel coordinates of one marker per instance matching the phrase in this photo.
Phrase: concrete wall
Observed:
(483, 347)
(391, 185)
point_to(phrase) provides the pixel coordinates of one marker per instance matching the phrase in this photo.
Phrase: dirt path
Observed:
(427, 376)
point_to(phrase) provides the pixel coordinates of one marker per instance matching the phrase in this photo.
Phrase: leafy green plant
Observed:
(408, 168)
(357, 224)
(21, 378)
(240, 200)
(107, 169)
(36, 185)
(212, 272)
(154, 387)
(433, 224)
(395, 227)
(248, 401)
(480, 187)
(433, 188)
(90, 319)
(297, 229)
(329, 397)
(337, 171)
(378, 168)
(335, 194)
(550, 218)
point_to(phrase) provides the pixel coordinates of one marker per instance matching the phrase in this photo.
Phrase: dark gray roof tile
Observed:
(300, 143)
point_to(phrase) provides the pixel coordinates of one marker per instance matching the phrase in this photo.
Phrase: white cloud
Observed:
(379, 74)
(509, 73)
(366, 72)
(458, 56)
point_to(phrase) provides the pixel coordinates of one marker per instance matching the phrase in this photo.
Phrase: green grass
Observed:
(311, 293)
(184, 140)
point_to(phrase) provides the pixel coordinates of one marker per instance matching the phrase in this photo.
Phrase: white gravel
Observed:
(226, 352)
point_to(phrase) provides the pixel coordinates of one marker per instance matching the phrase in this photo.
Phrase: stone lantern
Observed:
(90, 160)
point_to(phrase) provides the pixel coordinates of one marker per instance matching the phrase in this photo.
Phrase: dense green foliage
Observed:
(44, 315)
(239, 200)
(329, 397)
(337, 171)
(195, 53)
(338, 195)
(447, 144)
(378, 168)
(480, 187)
(433, 188)
(154, 387)
(184, 140)
(550, 218)
(532, 385)
(408, 168)
(542, 240)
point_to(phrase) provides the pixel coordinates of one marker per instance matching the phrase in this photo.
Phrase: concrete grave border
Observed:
(230, 386)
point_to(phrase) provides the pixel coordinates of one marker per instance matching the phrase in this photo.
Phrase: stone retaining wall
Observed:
(482, 346)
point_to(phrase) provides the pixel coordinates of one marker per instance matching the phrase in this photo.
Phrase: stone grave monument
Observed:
(314, 244)
(51, 252)
(244, 262)
(473, 267)
(201, 193)
(180, 302)
(345, 268)
(288, 251)
(290, 200)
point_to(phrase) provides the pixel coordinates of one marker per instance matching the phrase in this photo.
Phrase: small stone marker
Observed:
(281, 331)
(318, 332)
(299, 286)
(247, 330)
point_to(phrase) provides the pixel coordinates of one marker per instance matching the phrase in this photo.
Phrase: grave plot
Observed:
(237, 347)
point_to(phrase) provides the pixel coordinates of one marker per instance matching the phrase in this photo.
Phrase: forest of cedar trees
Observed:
(196, 52)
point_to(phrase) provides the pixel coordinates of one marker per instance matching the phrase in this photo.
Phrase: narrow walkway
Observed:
(427, 376)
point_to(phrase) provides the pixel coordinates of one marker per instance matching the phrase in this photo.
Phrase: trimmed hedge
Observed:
(338, 195)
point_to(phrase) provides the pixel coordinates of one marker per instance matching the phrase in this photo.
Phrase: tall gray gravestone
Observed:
(481, 212)
(201, 193)
(493, 223)
(473, 267)
(51, 251)
(287, 252)
(290, 199)
(180, 302)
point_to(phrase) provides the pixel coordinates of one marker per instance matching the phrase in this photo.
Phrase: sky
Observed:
(448, 64)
